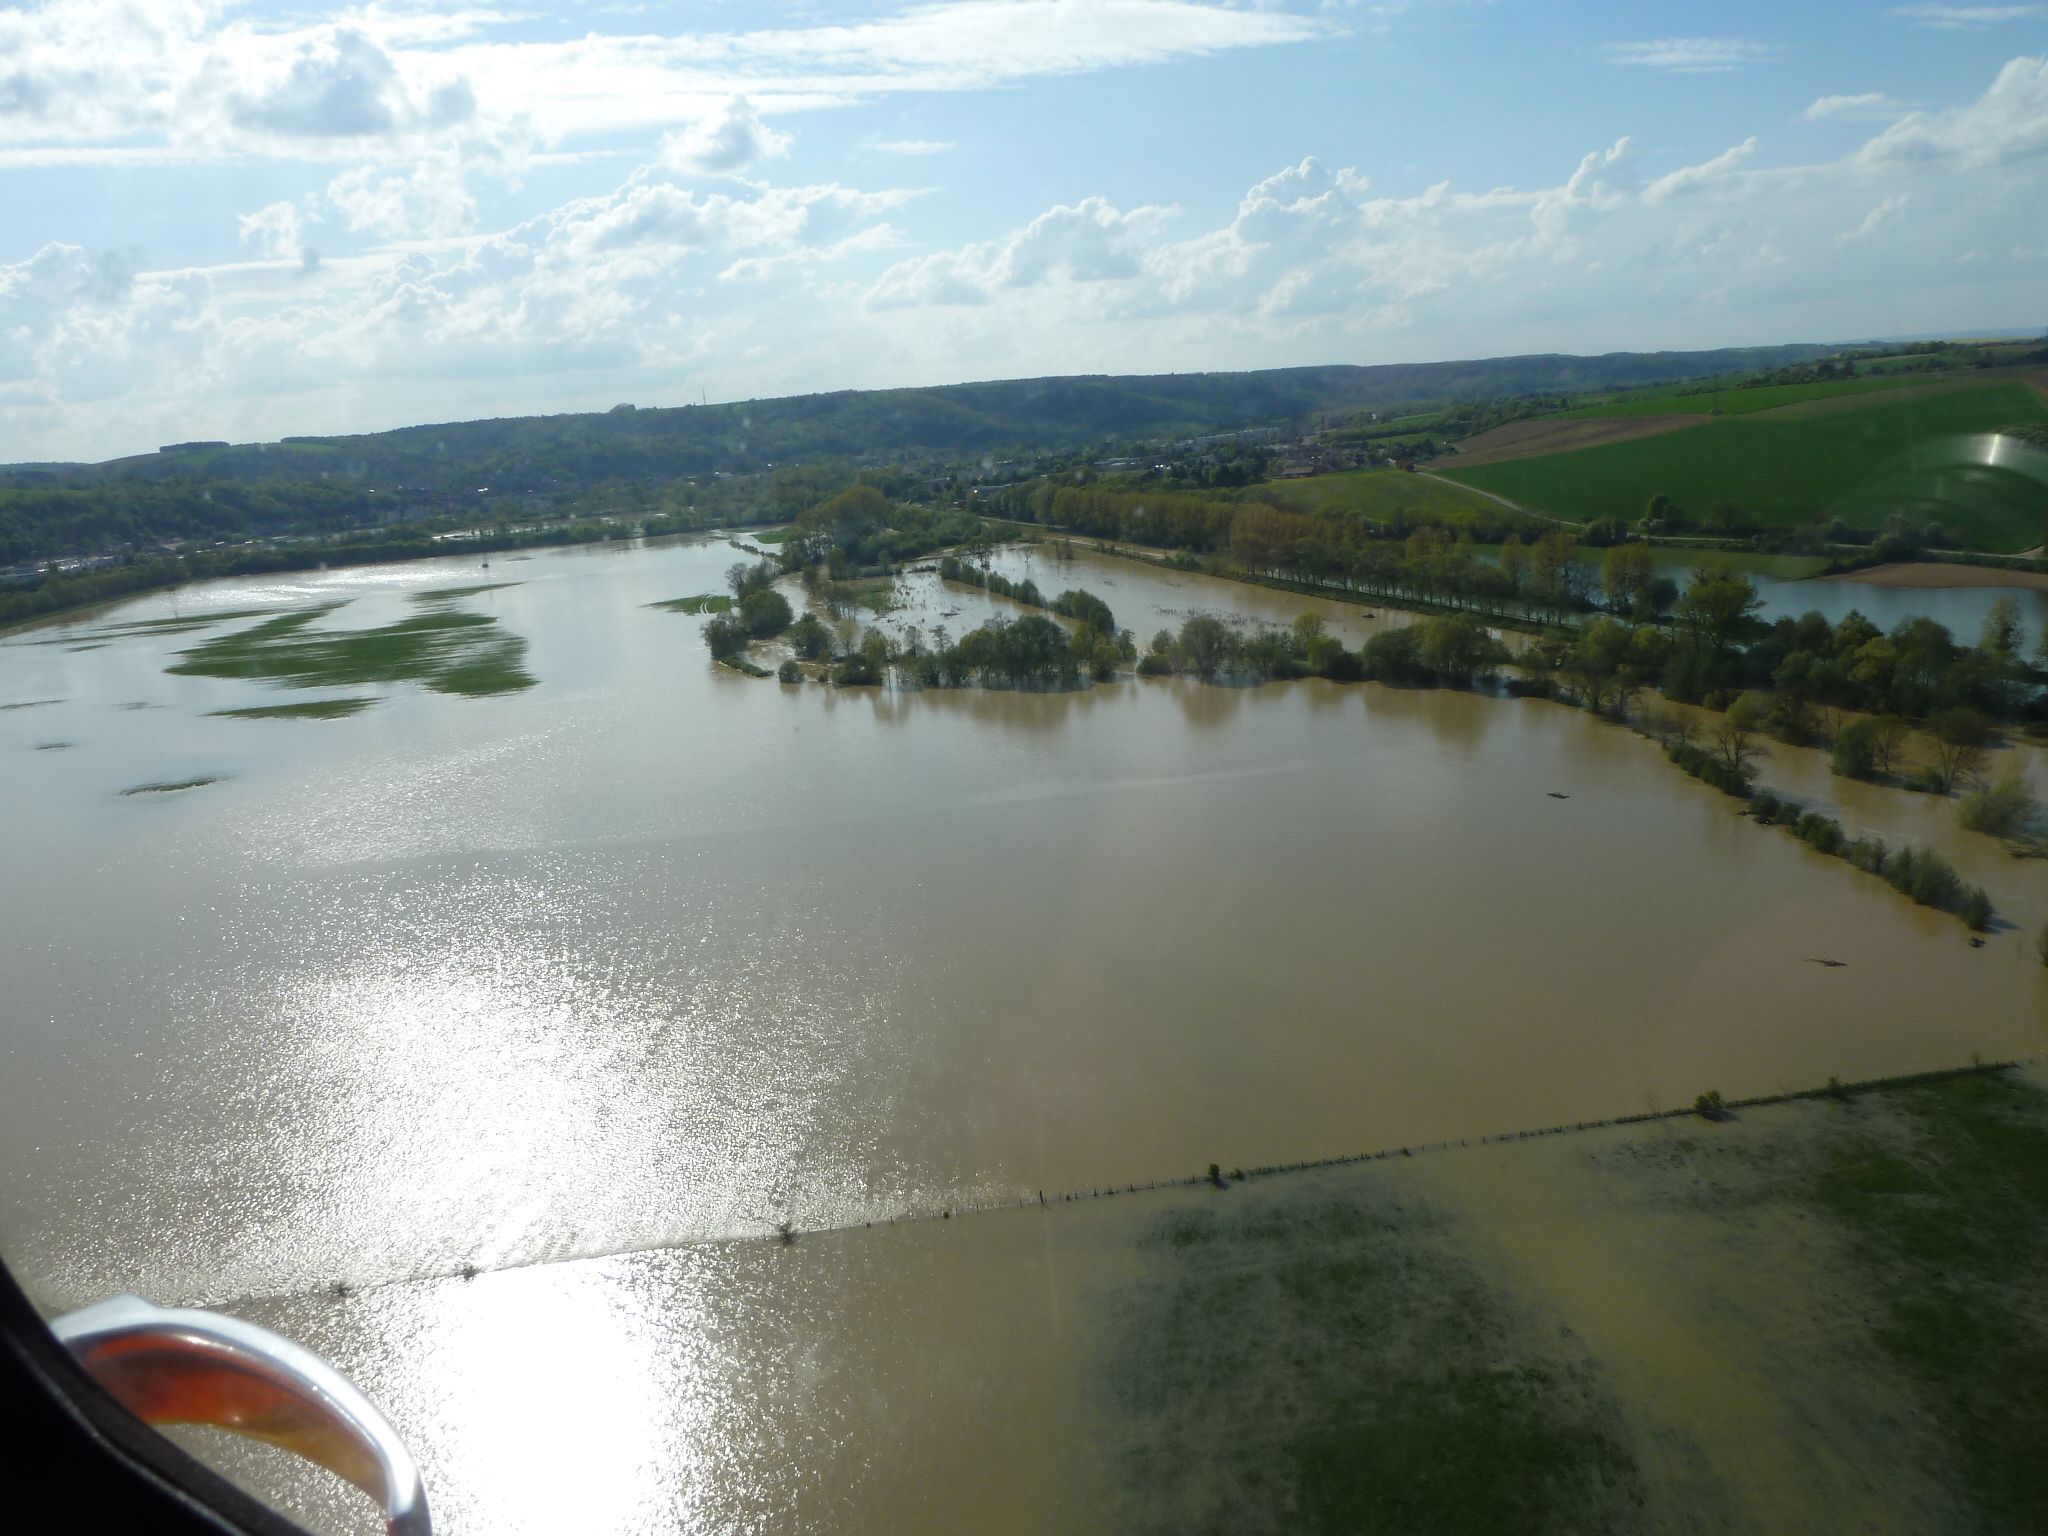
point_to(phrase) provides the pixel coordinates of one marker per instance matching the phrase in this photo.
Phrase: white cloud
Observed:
(726, 143)
(663, 287)
(1691, 55)
(1889, 209)
(98, 71)
(274, 231)
(914, 147)
(2008, 123)
(431, 201)
(1870, 106)
(1952, 18)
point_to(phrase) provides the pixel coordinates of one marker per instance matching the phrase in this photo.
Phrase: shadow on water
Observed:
(443, 648)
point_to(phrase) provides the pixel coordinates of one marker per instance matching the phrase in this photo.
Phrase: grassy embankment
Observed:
(1859, 459)
(1829, 1315)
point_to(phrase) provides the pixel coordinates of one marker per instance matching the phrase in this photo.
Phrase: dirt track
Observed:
(1930, 575)
(1527, 439)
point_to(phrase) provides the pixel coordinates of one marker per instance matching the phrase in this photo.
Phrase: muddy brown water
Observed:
(654, 957)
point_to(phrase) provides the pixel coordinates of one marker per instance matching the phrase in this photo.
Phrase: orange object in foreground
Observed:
(183, 1366)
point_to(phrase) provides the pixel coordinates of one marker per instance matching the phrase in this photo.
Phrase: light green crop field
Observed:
(1382, 495)
(1860, 464)
(1740, 402)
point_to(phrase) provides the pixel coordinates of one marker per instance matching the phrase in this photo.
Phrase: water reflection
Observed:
(658, 953)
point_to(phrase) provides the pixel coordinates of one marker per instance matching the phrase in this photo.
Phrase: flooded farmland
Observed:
(562, 958)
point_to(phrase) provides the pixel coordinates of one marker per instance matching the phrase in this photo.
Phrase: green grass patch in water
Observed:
(443, 649)
(172, 786)
(31, 704)
(1944, 1203)
(1312, 1360)
(703, 602)
(102, 634)
(310, 709)
(455, 594)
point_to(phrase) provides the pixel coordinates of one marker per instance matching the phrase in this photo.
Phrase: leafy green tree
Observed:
(1888, 737)
(1087, 608)
(765, 612)
(1853, 756)
(1735, 736)
(1393, 655)
(1204, 644)
(1624, 571)
(1718, 607)
(1458, 647)
(809, 638)
(726, 635)
(1959, 738)
(2006, 808)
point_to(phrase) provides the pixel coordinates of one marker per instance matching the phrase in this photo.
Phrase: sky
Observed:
(247, 220)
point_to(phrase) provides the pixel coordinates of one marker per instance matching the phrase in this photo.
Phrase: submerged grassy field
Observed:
(1861, 463)
(309, 709)
(1825, 1315)
(442, 648)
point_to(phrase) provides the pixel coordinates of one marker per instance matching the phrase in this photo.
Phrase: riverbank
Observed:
(1941, 575)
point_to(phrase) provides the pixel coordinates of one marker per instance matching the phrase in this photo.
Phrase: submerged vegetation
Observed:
(309, 709)
(1853, 1275)
(1327, 1361)
(703, 602)
(172, 786)
(1919, 873)
(442, 648)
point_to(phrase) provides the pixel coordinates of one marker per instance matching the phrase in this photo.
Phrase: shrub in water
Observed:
(1823, 833)
(2004, 809)
(1854, 755)
(1975, 908)
(789, 672)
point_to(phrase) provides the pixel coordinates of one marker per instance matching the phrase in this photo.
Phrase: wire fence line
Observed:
(790, 1234)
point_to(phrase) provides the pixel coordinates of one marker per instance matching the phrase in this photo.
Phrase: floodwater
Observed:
(1962, 609)
(649, 958)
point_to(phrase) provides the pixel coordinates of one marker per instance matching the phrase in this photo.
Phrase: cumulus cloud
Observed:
(432, 200)
(274, 231)
(2008, 123)
(1691, 55)
(727, 142)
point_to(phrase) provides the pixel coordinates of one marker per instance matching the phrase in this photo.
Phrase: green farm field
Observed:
(1382, 495)
(1861, 464)
(1742, 402)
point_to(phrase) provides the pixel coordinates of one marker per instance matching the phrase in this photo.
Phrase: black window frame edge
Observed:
(73, 1459)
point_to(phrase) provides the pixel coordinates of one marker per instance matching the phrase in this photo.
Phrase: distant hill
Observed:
(538, 454)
